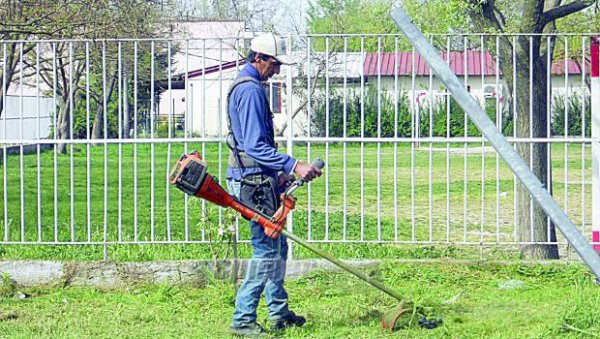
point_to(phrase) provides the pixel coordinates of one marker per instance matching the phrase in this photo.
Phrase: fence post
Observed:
(290, 132)
(595, 96)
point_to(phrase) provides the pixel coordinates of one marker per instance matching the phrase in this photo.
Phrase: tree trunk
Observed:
(7, 75)
(62, 128)
(97, 126)
(531, 121)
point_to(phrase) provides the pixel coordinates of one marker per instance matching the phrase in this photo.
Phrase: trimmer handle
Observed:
(317, 163)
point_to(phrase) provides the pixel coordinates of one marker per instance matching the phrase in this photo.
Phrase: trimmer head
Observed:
(403, 316)
(408, 315)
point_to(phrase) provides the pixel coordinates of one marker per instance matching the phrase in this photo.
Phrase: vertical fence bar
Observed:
(203, 125)
(396, 108)
(88, 188)
(121, 114)
(345, 145)
(220, 122)
(105, 131)
(379, 136)
(515, 117)
(583, 135)
(466, 134)
(4, 158)
(71, 113)
(548, 118)
(152, 146)
(135, 136)
(432, 102)
(55, 120)
(21, 137)
(187, 129)
(482, 66)
(169, 136)
(290, 132)
(499, 111)
(39, 138)
(308, 145)
(327, 127)
(414, 135)
(567, 104)
(448, 136)
(362, 143)
(531, 143)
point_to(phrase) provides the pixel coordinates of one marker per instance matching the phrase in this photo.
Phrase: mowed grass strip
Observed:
(475, 301)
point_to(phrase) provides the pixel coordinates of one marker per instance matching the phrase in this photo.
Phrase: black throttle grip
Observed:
(318, 163)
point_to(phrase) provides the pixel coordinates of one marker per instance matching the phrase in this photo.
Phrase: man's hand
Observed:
(285, 180)
(306, 171)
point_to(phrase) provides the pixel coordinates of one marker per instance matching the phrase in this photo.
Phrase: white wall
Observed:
(26, 118)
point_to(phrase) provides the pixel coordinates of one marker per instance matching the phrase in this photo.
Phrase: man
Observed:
(257, 174)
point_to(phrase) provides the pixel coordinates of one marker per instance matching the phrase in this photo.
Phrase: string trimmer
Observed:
(191, 176)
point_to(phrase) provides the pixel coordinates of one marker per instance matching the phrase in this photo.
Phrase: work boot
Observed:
(253, 330)
(291, 320)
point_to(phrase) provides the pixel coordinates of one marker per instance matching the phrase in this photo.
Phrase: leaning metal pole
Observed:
(502, 146)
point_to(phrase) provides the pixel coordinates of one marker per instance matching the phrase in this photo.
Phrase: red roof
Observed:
(472, 58)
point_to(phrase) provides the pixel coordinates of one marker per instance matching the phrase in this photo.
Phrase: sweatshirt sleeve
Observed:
(252, 116)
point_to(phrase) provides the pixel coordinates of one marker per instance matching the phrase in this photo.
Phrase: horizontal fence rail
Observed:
(90, 129)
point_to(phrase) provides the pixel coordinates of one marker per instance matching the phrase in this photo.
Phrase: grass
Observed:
(553, 301)
(430, 204)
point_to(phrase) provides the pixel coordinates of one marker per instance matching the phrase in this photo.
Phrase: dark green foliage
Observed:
(396, 119)
(575, 121)
(356, 113)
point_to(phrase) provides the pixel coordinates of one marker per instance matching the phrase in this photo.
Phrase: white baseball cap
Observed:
(272, 45)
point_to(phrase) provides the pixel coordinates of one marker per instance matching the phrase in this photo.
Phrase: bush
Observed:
(372, 127)
(575, 122)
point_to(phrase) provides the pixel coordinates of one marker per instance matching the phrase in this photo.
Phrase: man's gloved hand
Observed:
(306, 171)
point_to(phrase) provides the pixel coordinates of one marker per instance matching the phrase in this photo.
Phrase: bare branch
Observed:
(568, 9)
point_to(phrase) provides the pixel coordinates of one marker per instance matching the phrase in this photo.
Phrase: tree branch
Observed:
(485, 15)
(564, 10)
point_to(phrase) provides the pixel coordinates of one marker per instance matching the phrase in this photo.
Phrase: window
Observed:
(492, 91)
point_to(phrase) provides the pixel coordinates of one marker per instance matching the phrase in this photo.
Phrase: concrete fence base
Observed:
(108, 274)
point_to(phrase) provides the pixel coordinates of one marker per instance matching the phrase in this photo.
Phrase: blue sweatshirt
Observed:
(252, 127)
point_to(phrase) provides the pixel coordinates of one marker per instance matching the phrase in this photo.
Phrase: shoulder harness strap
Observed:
(237, 158)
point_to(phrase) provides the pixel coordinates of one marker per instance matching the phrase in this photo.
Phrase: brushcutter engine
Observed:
(191, 176)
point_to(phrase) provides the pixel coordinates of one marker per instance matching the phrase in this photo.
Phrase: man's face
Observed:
(267, 66)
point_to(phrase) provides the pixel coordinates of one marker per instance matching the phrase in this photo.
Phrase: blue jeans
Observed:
(266, 272)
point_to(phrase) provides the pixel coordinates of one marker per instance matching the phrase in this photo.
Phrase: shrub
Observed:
(575, 117)
(436, 111)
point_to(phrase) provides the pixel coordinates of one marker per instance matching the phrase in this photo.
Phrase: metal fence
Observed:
(403, 164)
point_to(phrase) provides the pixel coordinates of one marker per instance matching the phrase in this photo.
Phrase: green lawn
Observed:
(381, 215)
(554, 301)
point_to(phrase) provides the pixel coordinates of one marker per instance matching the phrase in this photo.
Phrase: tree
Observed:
(530, 18)
(534, 17)
(351, 17)
(64, 64)
(21, 21)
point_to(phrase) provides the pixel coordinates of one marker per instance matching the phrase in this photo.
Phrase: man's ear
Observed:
(257, 57)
